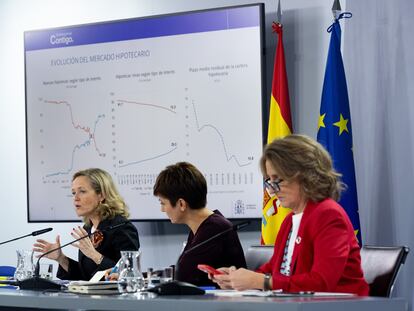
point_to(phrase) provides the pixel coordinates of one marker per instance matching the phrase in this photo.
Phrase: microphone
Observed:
(181, 288)
(38, 232)
(37, 268)
(234, 227)
(38, 283)
(34, 233)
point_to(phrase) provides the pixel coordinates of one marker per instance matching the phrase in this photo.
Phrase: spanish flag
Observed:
(280, 125)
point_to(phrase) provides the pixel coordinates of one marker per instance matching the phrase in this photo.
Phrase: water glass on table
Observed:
(153, 279)
(25, 267)
(46, 271)
(167, 275)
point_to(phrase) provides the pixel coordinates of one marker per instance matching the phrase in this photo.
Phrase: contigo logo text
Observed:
(60, 40)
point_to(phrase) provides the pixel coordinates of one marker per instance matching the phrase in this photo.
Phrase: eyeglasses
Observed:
(273, 185)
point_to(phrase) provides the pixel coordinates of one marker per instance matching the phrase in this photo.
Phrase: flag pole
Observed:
(336, 9)
(279, 14)
(280, 125)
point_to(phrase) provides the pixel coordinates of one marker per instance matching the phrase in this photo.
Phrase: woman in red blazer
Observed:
(316, 248)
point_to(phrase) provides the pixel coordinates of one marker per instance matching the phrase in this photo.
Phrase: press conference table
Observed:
(12, 299)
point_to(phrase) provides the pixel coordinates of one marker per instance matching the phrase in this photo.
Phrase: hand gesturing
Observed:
(85, 245)
(43, 246)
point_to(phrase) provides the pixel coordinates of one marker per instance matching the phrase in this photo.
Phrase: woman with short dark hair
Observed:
(182, 192)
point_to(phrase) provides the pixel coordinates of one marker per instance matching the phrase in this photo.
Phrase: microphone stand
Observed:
(37, 283)
(34, 233)
(37, 267)
(181, 288)
(234, 227)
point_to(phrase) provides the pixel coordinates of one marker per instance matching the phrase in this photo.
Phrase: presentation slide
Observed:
(134, 96)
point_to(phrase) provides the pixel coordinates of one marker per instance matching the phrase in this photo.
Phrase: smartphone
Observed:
(209, 269)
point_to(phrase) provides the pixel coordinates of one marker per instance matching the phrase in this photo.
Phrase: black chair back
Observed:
(257, 255)
(380, 266)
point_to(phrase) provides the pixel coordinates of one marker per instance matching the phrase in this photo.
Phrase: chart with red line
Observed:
(87, 106)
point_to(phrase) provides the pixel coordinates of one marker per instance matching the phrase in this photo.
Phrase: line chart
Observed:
(124, 111)
(148, 159)
(70, 168)
(171, 109)
(137, 113)
(91, 140)
(217, 131)
(86, 129)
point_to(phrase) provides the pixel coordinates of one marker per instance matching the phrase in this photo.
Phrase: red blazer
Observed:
(326, 255)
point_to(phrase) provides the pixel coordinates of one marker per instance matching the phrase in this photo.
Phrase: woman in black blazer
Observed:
(98, 202)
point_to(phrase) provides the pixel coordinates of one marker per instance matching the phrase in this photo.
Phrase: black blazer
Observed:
(114, 241)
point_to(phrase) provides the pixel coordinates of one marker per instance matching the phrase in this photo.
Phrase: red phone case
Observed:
(209, 269)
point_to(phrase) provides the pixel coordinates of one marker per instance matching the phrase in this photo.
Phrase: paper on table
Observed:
(86, 287)
(94, 285)
(274, 293)
(236, 293)
(311, 294)
(98, 276)
(328, 294)
(90, 291)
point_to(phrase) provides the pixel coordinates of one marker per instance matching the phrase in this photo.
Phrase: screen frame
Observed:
(264, 106)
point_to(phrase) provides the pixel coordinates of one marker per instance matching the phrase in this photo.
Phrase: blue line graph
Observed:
(149, 159)
(150, 105)
(77, 147)
(132, 116)
(87, 143)
(215, 129)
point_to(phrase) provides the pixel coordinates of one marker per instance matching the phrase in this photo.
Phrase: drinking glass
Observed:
(167, 275)
(130, 277)
(46, 271)
(153, 278)
(25, 267)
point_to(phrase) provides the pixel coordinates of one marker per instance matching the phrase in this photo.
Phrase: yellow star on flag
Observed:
(342, 124)
(321, 123)
(356, 235)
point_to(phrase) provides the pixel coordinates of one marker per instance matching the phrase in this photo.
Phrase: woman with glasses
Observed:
(316, 248)
(98, 202)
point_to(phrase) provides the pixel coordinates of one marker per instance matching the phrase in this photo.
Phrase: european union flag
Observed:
(334, 126)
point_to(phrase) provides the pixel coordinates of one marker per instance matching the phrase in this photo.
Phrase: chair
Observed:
(7, 271)
(257, 255)
(380, 266)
